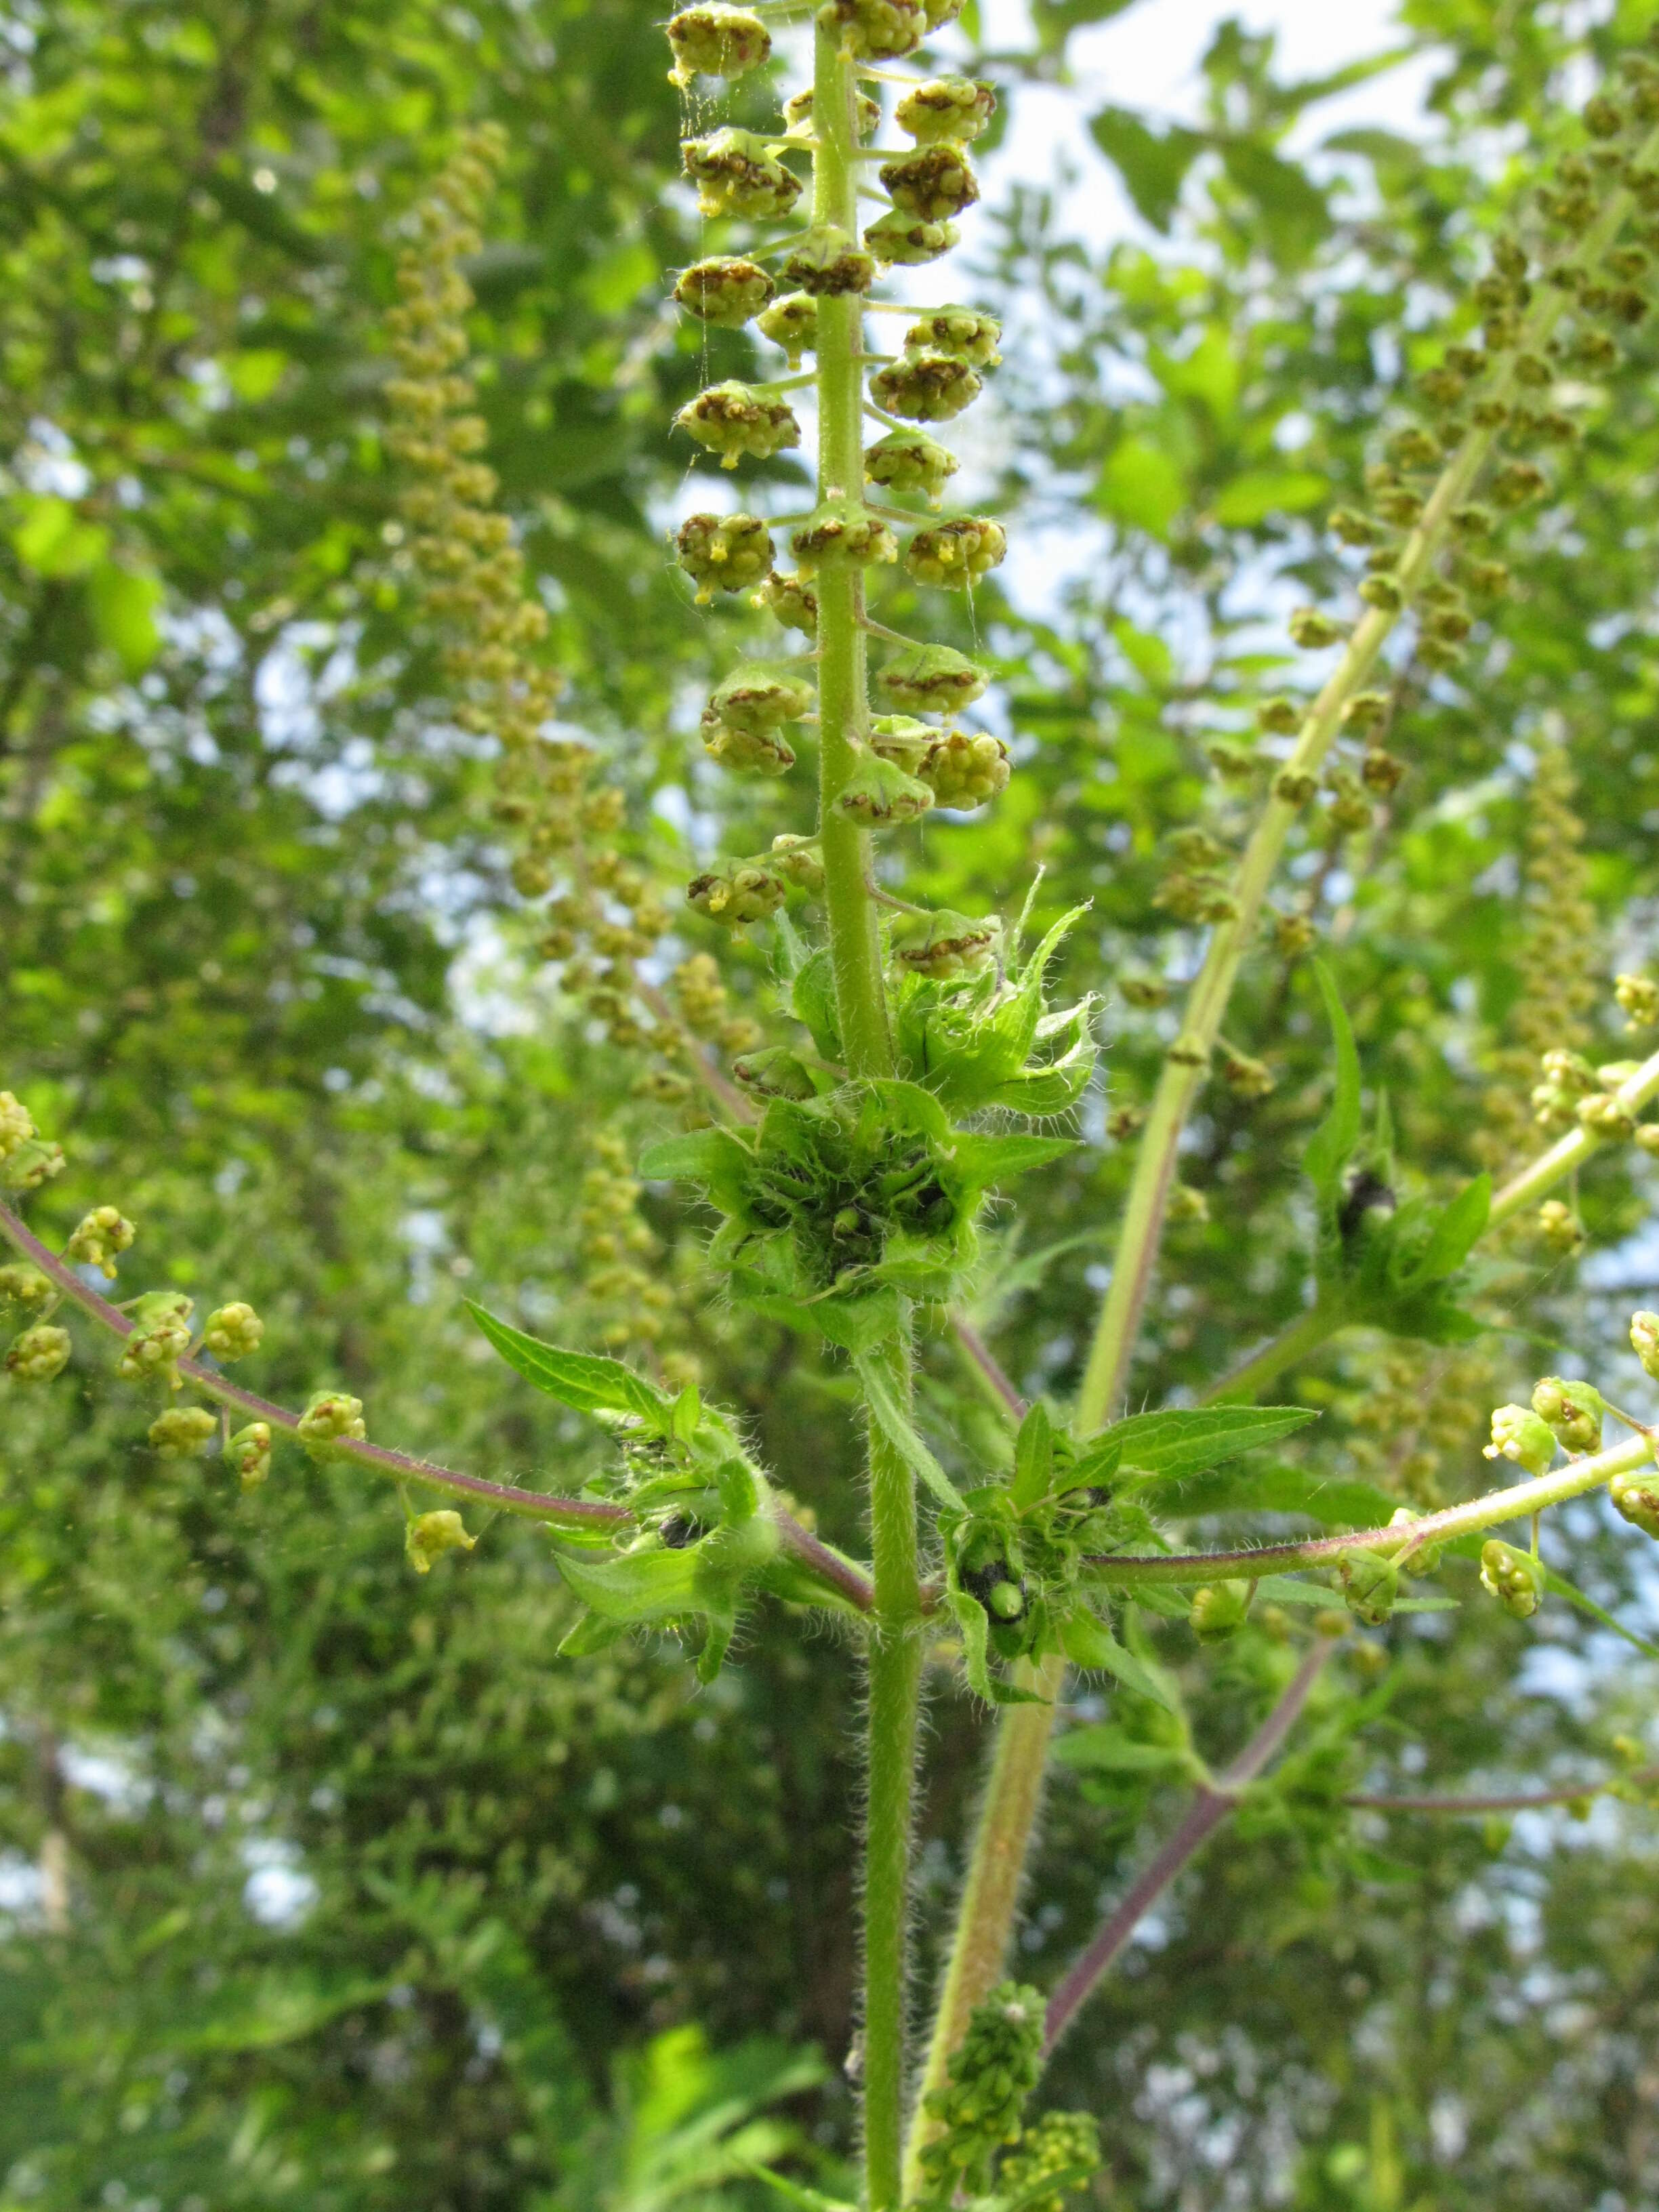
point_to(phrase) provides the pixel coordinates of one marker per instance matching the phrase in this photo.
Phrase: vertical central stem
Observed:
(895, 1645)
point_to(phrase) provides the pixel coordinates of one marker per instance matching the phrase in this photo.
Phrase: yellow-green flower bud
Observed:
(798, 113)
(723, 552)
(430, 1535)
(1399, 504)
(941, 12)
(330, 1417)
(756, 697)
(930, 679)
(731, 419)
(1645, 1341)
(798, 860)
(846, 528)
(27, 1285)
(737, 173)
(160, 1338)
(716, 41)
(944, 944)
(902, 738)
(1519, 1435)
(1280, 716)
(1417, 1560)
(953, 108)
(1636, 1495)
(964, 333)
(1145, 991)
(39, 1354)
(182, 1432)
(789, 599)
(1559, 1226)
(724, 290)
(880, 796)
(249, 1454)
(1514, 1578)
(100, 1236)
(1370, 1585)
(925, 387)
(753, 752)
(16, 1124)
(906, 242)
(1606, 1117)
(1517, 481)
(1381, 772)
(934, 183)
(233, 1331)
(776, 1072)
(963, 770)
(828, 265)
(751, 893)
(792, 322)
(909, 460)
(1244, 1075)
(1217, 1610)
(874, 30)
(956, 553)
(1188, 1206)
(1311, 630)
(29, 1163)
(1638, 1001)
(1572, 1410)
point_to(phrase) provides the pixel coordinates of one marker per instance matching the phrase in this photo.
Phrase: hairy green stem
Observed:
(1131, 1572)
(1186, 1068)
(896, 1642)
(990, 1894)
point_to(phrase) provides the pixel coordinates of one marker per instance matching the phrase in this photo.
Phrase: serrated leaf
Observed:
(592, 1632)
(1034, 1457)
(713, 1158)
(1281, 1489)
(636, 1587)
(972, 1619)
(892, 1417)
(1091, 1645)
(1184, 1440)
(1290, 1589)
(812, 1002)
(584, 1380)
(1461, 1225)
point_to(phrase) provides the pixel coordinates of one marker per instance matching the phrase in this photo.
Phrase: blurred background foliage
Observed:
(324, 1885)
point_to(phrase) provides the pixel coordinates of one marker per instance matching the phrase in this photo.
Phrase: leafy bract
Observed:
(584, 1380)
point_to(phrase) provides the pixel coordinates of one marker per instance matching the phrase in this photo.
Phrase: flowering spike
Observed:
(39, 1354)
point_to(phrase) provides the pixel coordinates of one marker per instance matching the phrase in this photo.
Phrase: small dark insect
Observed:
(678, 1530)
(1367, 1193)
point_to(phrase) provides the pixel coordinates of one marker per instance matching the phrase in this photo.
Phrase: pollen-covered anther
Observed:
(1638, 1001)
(944, 944)
(956, 553)
(934, 183)
(249, 1454)
(909, 460)
(430, 1535)
(97, 1239)
(934, 679)
(792, 322)
(331, 1417)
(737, 173)
(828, 265)
(39, 1354)
(716, 41)
(723, 552)
(750, 891)
(789, 599)
(724, 290)
(798, 860)
(732, 419)
(755, 752)
(16, 1124)
(925, 387)
(848, 531)
(907, 241)
(965, 770)
(875, 30)
(946, 108)
(233, 1331)
(1513, 1578)
(881, 795)
(182, 1432)
(755, 698)
(160, 1338)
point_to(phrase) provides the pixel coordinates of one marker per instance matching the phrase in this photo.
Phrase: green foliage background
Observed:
(260, 971)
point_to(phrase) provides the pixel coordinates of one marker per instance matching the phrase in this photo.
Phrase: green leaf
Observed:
(1034, 1457)
(1104, 1749)
(592, 1632)
(892, 1417)
(1282, 1489)
(713, 1158)
(54, 540)
(972, 1619)
(1331, 1144)
(987, 1161)
(1252, 497)
(1141, 486)
(1291, 1589)
(1153, 165)
(124, 603)
(1089, 1643)
(642, 1586)
(1460, 1227)
(1294, 212)
(1183, 1440)
(812, 1001)
(584, 1380)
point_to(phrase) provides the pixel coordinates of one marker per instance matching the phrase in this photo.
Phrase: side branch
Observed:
(500, 1497)
(1211, 1806)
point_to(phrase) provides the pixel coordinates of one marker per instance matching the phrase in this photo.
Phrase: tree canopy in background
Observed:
(334, 1886)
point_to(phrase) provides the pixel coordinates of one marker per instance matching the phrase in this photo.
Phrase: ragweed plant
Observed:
(850, 1161)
